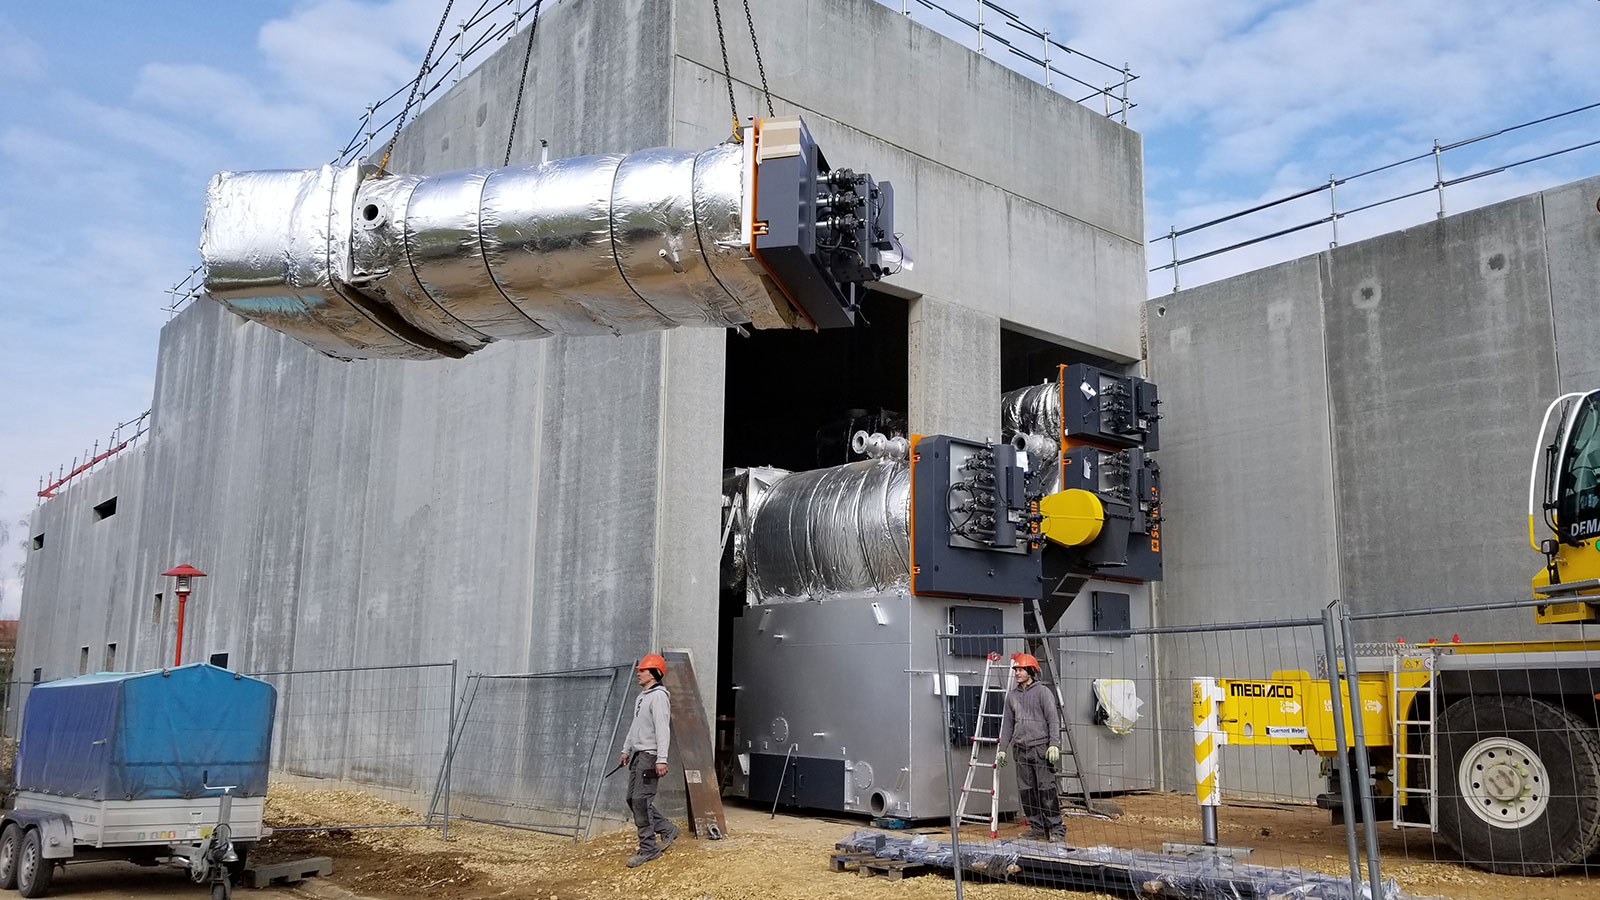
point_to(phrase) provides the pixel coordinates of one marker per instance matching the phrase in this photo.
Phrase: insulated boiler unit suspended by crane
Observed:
(358, 263)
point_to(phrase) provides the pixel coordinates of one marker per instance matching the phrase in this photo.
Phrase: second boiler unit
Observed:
(847, 573)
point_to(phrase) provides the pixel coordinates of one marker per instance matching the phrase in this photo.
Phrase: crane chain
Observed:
(727, 71)
(756, 44)
(522, 83)
(422, 74)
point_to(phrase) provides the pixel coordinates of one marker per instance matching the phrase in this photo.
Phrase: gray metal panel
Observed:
(829, 682)
(1110, 762)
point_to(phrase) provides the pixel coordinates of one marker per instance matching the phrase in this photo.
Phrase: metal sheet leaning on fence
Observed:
(1029, 726)
(645, 752)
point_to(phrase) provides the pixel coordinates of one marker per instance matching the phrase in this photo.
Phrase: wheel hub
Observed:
(1504, 782)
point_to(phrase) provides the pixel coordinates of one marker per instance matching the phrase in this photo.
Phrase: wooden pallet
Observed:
(847, 862)
(892, 869)
(867, 865)
(292, 872)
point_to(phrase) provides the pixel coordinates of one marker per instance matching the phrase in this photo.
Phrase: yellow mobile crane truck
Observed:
(1493, 746)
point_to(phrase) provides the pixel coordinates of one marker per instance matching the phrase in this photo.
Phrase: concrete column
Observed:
(688, 500)
(954, 377)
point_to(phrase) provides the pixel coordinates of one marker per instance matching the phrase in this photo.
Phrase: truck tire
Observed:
(34, 872)
(1519, 785)
(10, 849)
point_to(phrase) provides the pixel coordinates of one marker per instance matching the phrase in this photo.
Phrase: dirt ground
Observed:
(786, 858)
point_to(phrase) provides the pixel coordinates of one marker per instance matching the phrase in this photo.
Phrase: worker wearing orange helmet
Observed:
(644, 752)
(1030, 726)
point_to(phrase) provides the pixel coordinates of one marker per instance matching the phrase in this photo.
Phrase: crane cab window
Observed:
(1578, 508)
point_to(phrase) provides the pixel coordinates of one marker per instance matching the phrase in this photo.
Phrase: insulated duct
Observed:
(361, 264)
(831, 532)
(1030, 420)
(1032, 410)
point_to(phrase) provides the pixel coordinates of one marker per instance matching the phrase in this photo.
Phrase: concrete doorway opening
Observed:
(1026, 360)
(794, 398)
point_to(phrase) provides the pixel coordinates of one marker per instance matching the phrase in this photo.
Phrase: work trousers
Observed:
(1036, 788)
(642, 784)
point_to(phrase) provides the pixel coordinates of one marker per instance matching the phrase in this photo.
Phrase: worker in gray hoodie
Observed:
(644, 752)
(1030, 726)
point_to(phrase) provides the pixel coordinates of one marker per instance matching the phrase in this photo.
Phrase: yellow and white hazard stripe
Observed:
(1208, 740)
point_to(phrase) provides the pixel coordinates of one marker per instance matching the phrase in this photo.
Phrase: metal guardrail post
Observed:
(1172, 238)
(444, 829)
(1045, 35)
(1438, 174)
(1346, 794)
(1333, 208)
(1352, 679)
(1127, 76)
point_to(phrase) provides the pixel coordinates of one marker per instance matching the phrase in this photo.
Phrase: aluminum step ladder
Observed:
(1423, 701)
(1071, 789)
(982, 770)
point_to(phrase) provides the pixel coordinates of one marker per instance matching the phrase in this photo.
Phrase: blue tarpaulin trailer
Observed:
(143, 766)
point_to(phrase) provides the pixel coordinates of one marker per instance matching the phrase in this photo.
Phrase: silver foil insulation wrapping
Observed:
(1036, 411)
(842, 531)
(401, 266)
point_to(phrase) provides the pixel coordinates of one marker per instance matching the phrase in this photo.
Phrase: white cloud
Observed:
(205, 94)
(343, 54)
(21, 60)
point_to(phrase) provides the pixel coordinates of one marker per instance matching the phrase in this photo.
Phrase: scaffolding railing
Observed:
(1333, 213)
(1109, 90)
(122, 437)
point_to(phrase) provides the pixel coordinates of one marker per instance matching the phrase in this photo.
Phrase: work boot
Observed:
(665, 838)
(643, 856)
(1058, 837)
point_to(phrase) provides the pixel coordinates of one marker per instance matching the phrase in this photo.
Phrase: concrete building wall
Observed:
(549, 504)
(1359, 424)
(84, 560)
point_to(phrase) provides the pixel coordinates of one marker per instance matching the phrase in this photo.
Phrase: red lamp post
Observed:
(184, 574)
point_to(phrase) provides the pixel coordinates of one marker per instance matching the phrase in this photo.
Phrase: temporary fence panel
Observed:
(1487, 752)
(533, 750)
(379, 729)
(1193, 748)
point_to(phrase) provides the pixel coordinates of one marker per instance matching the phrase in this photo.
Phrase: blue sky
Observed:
(116, 114)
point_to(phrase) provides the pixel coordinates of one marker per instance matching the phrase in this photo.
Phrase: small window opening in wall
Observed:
(38, 541)
(83, 661)
(220, 660)
(38, 675)
(156, 617)
(105, 510)
(111, 658)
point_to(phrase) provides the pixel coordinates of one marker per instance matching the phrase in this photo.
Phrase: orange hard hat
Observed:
(652, 661)
(1023, 659)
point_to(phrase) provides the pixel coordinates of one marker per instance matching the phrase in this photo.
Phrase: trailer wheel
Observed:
(34, 872)
(1519, 785)
(10, 847)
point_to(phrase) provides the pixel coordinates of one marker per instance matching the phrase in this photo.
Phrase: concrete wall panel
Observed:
(1439, 366)
(1572, 248)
